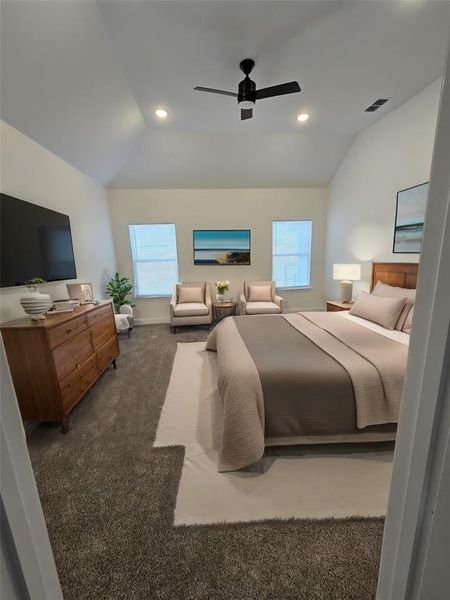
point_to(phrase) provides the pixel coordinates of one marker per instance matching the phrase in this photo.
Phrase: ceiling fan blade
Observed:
(213, 91)
(278, 90)
(246, 113)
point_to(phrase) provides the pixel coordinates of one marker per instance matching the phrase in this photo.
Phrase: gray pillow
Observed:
(382, 310)
(382, 289)
(408, 323)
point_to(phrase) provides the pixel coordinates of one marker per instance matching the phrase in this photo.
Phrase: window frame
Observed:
(133, 261)
(293, 287)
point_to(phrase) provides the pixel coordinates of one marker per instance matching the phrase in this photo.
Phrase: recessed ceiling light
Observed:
(161, 113)
(302, 117)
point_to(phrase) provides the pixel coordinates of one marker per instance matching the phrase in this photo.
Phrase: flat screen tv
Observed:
(35, 242)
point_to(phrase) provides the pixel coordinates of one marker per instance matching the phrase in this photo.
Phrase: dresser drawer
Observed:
(76, 384)
(62, 333)
(71, 354)
(103, 332)
(107, 353)
(97, 315)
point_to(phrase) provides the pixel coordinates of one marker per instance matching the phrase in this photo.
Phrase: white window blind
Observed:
(291, 253)
(155, 263)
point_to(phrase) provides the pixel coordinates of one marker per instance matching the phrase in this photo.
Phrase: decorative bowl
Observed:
(36, 305)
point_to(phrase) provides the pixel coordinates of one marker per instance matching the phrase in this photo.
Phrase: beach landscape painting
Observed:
(221, 247)
(409, 218)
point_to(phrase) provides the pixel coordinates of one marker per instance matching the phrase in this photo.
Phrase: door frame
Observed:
(33, 565)
(421, 445)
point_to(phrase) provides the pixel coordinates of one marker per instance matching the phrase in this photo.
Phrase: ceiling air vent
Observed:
(377, 104)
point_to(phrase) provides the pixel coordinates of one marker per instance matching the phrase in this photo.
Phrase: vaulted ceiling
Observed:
(83, 80)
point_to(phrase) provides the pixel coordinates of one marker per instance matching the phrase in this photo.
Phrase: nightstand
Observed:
(221, 310)
(337, 305)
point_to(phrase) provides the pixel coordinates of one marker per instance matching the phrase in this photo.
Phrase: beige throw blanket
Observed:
(374, 363)
(242, 397)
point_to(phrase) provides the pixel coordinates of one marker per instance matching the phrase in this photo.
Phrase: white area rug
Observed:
(301, 481)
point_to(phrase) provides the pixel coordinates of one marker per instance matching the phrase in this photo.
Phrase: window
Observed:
(155, 264)
(291, 253)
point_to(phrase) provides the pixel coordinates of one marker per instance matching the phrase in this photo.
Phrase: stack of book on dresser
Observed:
(63, 306)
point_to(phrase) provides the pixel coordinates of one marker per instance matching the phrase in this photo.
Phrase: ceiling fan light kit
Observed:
(248, 94)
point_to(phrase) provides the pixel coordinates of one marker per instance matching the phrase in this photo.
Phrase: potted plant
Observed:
(34, 283)
(222, 288)
(34, 303)
(118, 289)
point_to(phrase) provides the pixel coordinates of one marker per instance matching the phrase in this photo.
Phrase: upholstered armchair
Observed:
(190, 305)
(259, 298)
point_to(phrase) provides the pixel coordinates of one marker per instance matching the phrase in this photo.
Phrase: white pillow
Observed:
(259, 293)
(190, 294)
(382, 310)
(382, 289)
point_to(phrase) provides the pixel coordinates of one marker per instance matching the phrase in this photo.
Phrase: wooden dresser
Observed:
(54, 362)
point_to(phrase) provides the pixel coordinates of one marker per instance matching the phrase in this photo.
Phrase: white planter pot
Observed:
(36, 305)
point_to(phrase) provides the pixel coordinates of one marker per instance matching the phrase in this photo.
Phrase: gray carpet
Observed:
(109, 498)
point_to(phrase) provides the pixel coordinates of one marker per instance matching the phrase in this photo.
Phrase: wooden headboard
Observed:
(398, 274)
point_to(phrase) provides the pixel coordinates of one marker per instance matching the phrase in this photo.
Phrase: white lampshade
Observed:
(347, 272)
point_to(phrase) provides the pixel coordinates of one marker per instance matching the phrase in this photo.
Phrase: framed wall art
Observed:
(222, 246)
(409, 219)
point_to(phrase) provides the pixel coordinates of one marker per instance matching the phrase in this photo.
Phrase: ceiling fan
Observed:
(247, 92)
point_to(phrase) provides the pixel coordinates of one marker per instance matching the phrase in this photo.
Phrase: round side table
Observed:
(223, 309)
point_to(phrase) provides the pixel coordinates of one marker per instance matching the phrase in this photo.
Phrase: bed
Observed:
(309, 377)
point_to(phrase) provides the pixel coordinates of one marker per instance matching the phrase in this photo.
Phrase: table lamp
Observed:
(346, 274)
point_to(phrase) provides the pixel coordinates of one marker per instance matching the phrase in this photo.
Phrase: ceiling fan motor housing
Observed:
(247, 91)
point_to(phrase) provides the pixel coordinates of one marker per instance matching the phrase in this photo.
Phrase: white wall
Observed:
(393, 154)
(253, 209)
(32, 173)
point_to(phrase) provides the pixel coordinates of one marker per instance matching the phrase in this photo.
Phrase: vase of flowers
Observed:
(222, 288)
